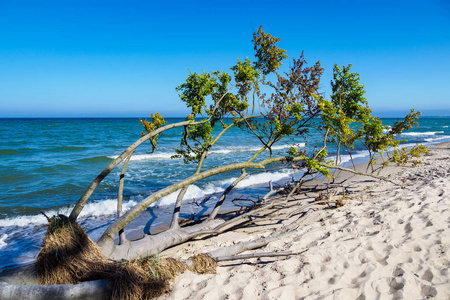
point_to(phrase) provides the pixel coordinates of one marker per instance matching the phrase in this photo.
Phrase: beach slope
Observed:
(386, 242)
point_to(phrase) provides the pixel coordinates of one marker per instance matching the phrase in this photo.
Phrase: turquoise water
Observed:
(46, 164)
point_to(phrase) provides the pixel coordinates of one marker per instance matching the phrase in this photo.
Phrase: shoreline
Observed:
(384, 242)
(319, 229)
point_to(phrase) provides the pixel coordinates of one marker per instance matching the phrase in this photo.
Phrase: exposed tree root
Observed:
(69, 256)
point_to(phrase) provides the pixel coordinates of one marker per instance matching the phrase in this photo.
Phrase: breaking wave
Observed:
(228, 150)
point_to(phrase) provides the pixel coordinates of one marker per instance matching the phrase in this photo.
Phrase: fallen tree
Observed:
(223, 101)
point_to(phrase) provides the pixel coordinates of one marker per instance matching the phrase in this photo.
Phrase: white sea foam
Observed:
(104, 208)
(346, 158)
(23, 221)
(2, 240)
(195, 192)
(436, 139)
(262, 178)
(137, 157)
(94, 209)
(421, 133)
(446, 126)
(228, 150)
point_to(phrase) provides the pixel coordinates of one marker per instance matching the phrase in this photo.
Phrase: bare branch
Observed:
(359, 173)
(122, 236)
(258, 255)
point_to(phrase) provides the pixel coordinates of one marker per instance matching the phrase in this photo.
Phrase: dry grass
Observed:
(203, 264)
(68, 255)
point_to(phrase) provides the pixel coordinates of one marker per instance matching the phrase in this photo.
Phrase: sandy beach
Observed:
(386, 242)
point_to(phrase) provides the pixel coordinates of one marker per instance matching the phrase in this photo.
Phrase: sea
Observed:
(47, 163)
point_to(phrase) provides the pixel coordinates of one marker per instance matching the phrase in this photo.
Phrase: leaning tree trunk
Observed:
(82, 201)
(106, 241)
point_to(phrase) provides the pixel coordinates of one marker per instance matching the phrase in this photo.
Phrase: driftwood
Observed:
(101, 289)
(258, 255)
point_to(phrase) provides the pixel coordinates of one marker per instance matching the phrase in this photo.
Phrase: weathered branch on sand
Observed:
(153, 244)
(283, 232)
(258, 255)
(272, 191)
(358, 173)
(106, 242)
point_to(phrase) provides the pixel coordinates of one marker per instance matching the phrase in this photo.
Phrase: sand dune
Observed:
(385, 243)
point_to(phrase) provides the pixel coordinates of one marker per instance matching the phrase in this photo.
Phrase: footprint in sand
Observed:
(427, 275)
(395, 284)
(427, 291)
(408, 228)
(398, 271)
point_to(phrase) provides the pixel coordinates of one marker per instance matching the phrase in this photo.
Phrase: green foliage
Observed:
(374, 139)
(296, 109)
(348, 119)
(400, 157)
(293, 152)
(293, 101)
(407, 123)
(201, 137)
(348, 93)
(246, 77)
(347, 106)
(268, 55)
(313, 166)
(157, 122)
(336, 123)
(418, 150)
(403, 157)
(291, 105)
(287, 109)
(195, 90)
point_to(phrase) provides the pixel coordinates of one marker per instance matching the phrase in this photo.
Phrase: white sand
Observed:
(385, 243)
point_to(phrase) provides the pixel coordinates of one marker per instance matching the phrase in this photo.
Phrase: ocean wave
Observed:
(2, 240)
(218, 186)
(94, 209)
(193, 192)
(346, 158)
(105, 208)
(421, 133)
(228, 150)
(264, 178)
(148, 156)
(108, 207)
(437, 139)
(23, 221)
(446, 126)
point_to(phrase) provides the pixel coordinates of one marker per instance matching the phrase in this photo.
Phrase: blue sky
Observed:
(125, 58)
